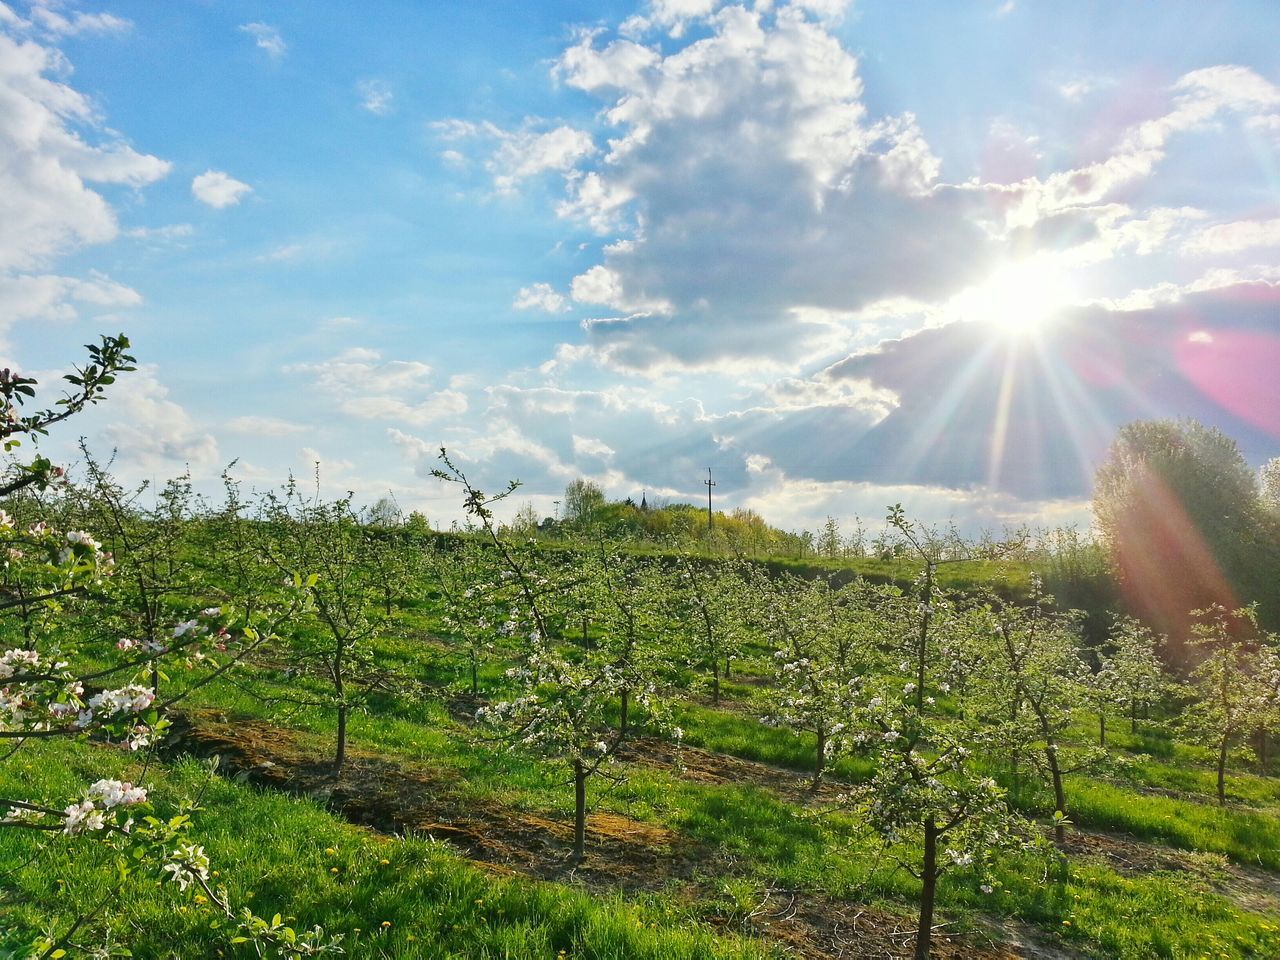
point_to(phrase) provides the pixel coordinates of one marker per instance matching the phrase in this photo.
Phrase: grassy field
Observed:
(439, 842)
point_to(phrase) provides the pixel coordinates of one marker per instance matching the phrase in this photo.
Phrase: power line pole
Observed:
(710, 483)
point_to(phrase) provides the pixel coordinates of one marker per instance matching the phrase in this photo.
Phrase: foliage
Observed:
(61, 651)
(1178, 506)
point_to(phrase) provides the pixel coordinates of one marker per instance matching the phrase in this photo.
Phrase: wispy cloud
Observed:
(376, 96)
(267, 39)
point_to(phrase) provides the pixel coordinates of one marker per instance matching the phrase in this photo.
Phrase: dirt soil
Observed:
(623, 854)
(814, 927)
(393, 798)
(705, 766)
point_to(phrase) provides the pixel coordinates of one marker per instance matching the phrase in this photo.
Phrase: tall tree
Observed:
(582, 500)
(1178, 507)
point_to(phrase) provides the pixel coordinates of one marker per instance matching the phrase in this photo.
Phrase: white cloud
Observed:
(218, 190)
(366, 386)
(51, 297)
(56, 148)
(1077, 88)
(540, 296)
(1199, 97)
(519, 154)
(437, 406)
(1234, 237)
(48, 16)
(796, 504)
(750, 182)
(267, 38)
(591, 447)
(375, 96)
(598, 285)
(622, 65)
(46, 204)
(755, 189)
(151, 431)
(674, 16)
(168, 232)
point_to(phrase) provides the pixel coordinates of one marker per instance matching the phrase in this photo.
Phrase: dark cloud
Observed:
(1033, 415)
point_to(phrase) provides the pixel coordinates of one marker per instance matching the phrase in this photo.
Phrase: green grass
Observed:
(756, 835)
(387, 897)
(748, 838)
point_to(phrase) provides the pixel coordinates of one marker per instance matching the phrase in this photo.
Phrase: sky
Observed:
(846, 254)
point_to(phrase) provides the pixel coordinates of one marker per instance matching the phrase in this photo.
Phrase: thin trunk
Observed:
(1222, 771)
(928, 891)
(340, 755)
(1133, 716)
(715, 664)
(923, 642)
(1059, 794)
(1013, 753)
(1102, 729)
(579, 810)
(820, 763)
(475, 676)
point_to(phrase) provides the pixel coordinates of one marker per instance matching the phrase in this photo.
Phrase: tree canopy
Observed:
(1179, 508)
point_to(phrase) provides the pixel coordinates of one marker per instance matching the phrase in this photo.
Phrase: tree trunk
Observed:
(579, 810)
(820, 762)
(475, 678)
(922, 647)
(1059, 795)
(1102, 729)
(339, 688)
(715, 682)
(1222, 772)
(1133, 717)
(340, 754)
(928, 890)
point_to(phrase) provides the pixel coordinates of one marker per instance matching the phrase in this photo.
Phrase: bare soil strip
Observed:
(623, 854)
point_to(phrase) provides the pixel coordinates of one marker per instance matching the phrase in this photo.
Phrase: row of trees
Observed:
(934, 688)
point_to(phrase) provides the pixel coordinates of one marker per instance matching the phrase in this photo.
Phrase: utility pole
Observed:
(710, 483)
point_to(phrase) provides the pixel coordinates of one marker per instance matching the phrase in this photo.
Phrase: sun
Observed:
(1019, 297)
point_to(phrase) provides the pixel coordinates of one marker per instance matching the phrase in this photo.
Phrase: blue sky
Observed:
(846, 254)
